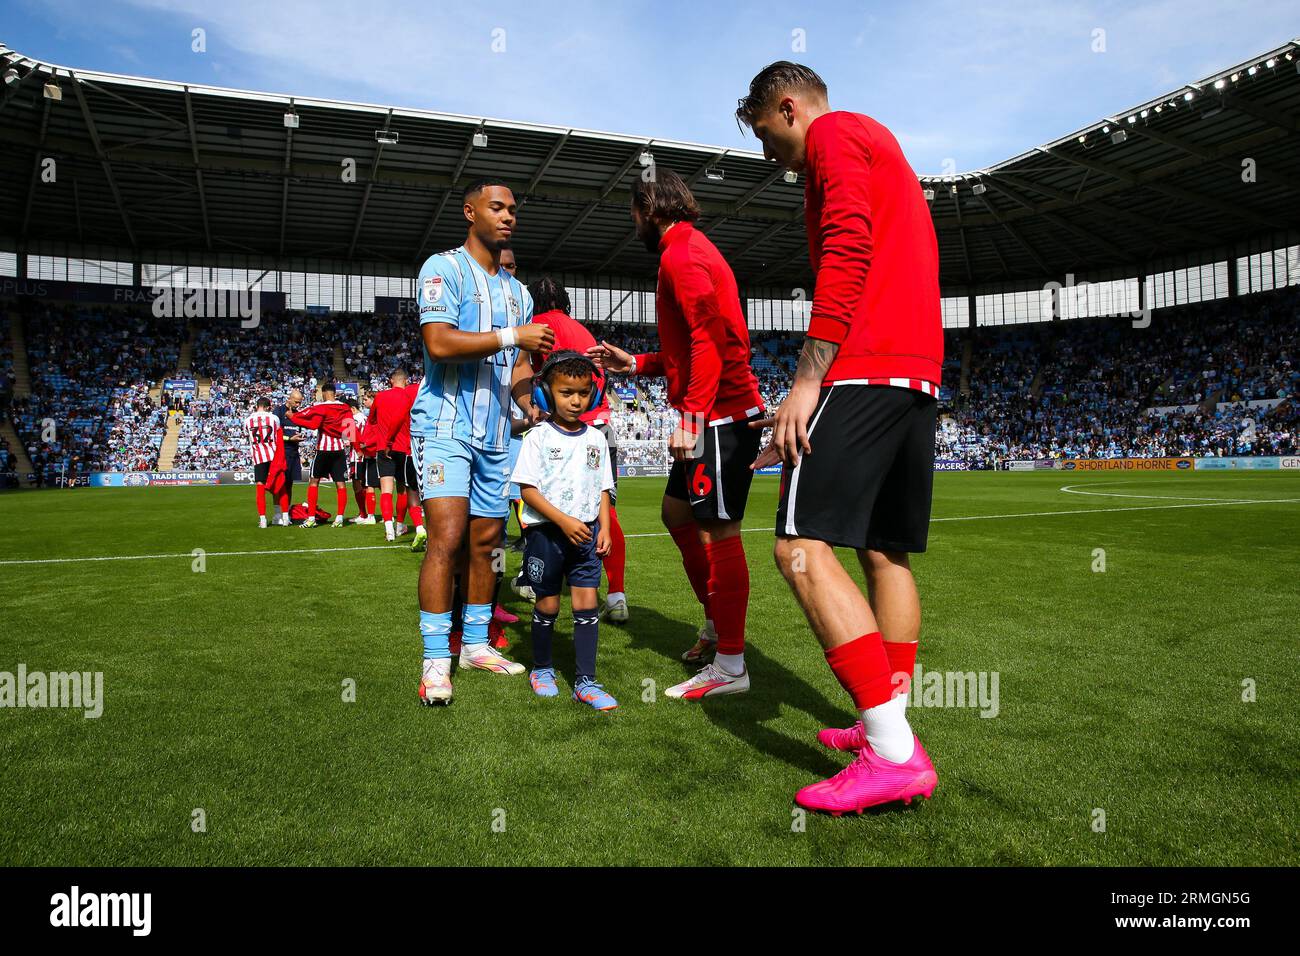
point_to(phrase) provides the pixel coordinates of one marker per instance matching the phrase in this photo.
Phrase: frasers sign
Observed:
(101, 294)
(394, 305)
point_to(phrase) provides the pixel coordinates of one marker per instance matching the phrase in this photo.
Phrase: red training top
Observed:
(704, 344)
(572, 334)
(872, 246)
(389, 426)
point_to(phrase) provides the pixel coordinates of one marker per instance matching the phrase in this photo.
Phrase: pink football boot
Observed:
(850, 738)
(870, 781)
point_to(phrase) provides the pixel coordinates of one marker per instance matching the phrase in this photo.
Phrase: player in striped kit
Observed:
(262, 428)
(357, 460)
(475, 325)
(333, 421)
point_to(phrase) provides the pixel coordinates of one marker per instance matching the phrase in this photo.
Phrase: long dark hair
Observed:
(548, 296)
(665, 198)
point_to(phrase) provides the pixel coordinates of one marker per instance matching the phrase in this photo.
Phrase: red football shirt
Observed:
(872, 246)
(704, 347)
(572, 334)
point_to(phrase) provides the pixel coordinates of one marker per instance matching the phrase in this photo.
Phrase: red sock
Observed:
(862, 668)
(617, 558)
(370, 501)
(313, 493)
(902, 661)
(417, 515)
(401, 507)
(694, 560)
(284, 503)
(261, 499)
(342, 498)
(386, 505)
(728, 592)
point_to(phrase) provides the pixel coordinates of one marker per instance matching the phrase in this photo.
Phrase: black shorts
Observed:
(610, 438)
(393, 465)
(371, 472)
(550, 558)
(869, 479)
(356, 469)
(716, 484)
(260, 472)
(330, 464)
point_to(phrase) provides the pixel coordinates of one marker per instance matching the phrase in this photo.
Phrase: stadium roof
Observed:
(152, 165)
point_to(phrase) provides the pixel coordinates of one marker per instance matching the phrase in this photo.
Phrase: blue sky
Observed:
(972, 83)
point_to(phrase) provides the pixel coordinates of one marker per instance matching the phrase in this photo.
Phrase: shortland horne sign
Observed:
(1127, 464)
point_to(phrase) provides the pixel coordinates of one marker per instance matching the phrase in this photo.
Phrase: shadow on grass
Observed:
(745, 716)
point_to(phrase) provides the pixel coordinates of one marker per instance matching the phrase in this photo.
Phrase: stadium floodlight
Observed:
(11, 76)
(928, 194)
(480, 140)
(1105, 129)
(1143, 114)
(646, 158)
(386, 136)
(291, 120)
(1189, 96)
(792, 177)
(714, 174)
(1118, 136)
(1219, 84)
(979, 189)
(1270, 63)
(1236, 77)
(52, 91)
(1132, 120)
(1252, 71)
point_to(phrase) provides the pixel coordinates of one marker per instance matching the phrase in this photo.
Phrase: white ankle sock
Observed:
(888, 732)
(732, 664)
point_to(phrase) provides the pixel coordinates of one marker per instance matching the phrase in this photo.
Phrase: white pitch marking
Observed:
(1217, 503)
(1073, 490)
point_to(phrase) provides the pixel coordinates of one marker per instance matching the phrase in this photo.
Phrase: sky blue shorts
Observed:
(451, 468)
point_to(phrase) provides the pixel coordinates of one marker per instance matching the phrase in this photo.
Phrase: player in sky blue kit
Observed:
(476, 324)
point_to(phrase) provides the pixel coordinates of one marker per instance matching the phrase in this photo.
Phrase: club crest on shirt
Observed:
(434, 473)
(432, 289)
(593, 457)
(513, 304)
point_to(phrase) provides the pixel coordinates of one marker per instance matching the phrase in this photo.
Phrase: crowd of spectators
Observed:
(90, 370)
(1215, 378)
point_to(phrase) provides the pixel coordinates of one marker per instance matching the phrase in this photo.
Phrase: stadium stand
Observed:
(1078, 388)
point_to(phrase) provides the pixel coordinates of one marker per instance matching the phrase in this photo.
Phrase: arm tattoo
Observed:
(815, 359)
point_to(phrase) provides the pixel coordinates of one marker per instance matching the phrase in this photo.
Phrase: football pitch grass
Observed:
(1120, 736)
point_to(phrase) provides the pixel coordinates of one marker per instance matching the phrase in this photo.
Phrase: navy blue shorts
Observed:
(550, 557)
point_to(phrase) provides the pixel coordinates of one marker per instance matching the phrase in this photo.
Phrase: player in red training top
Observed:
(704, 355)
(262, 428)
(388, 435)
(856, 434)
(551, 307)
